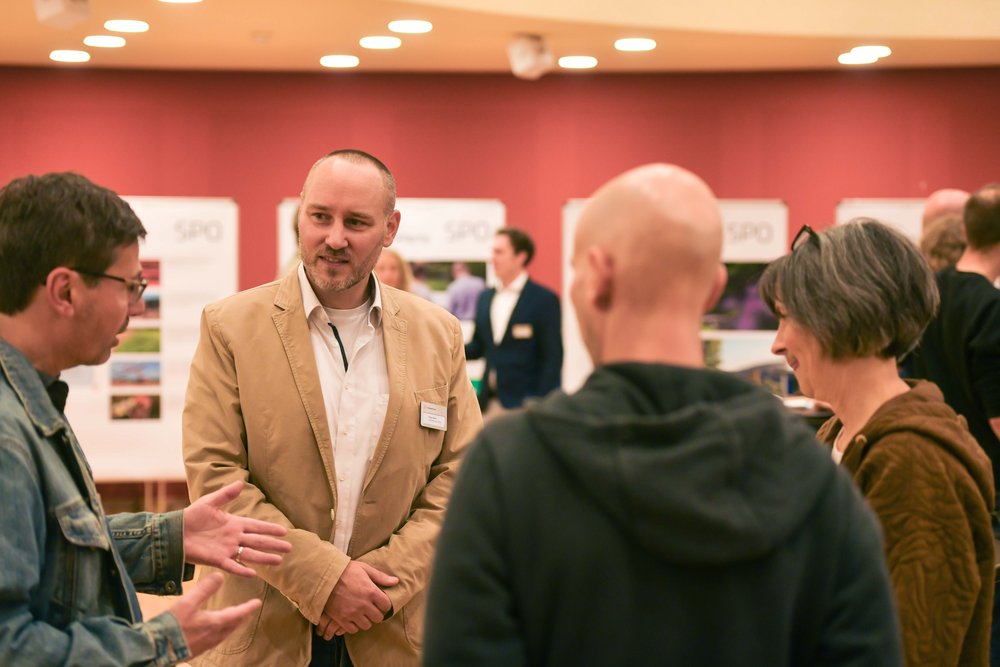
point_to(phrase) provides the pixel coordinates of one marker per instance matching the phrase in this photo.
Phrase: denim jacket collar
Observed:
(27, 384)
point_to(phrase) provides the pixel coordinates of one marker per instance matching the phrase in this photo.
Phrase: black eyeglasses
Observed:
(136, 286)
(805, 235)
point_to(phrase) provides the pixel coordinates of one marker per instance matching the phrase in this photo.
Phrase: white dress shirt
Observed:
(355, 398)
(502, 306)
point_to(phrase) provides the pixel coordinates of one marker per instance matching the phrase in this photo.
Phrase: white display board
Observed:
(904, 214)
(755, 231)
(127, 412)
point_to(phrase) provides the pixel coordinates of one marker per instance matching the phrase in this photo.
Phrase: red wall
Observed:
(810, 138)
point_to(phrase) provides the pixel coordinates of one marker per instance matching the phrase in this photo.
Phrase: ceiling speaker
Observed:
(529, 57)
(61, 13)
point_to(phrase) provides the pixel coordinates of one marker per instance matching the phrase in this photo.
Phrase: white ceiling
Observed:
(472, 35)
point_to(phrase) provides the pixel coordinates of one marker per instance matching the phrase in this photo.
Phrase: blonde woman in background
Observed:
(392, 270)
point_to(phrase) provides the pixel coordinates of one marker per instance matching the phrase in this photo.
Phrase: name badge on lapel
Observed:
(433, 416)
(522, 331)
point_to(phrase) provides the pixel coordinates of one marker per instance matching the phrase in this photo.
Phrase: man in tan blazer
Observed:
(345, 406)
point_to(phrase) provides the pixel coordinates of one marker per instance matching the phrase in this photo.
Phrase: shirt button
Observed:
(170, 587)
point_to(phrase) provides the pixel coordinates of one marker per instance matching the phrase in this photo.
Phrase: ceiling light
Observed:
(578, 62)
(69, 56)
(104, 41)
(410, 26)
(851, 58)
(876, 51)
(380, 42)
(339, 61)
(635, 44)
(126, 25)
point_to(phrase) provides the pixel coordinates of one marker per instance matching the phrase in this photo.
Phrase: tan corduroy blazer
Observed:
(254, 412)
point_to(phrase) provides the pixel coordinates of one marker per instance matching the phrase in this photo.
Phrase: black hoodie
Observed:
(660, 516)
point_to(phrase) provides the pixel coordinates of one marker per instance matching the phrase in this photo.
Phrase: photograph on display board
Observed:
(151, 297)
(139, 340)
(453, 285)
(151, 271)
(135, 373)
(135, 406)
(740, 306)
(748, 357)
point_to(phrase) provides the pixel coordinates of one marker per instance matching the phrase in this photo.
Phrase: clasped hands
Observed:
(357, 601)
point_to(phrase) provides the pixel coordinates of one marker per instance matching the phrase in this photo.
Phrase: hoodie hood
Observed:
(922, 412)
(695, 465)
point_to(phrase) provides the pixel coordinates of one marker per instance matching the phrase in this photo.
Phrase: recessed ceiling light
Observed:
(126, 25)
(410, 26)
(851, 58)
(69, 56)
(875, 51)
(339, 61)
(578, 62)
(635, 44)
(104, 41)
(380, 42)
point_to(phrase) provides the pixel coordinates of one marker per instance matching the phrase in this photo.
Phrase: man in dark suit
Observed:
(518, 329)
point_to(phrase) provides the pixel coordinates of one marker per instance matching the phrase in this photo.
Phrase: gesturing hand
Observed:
(215, 537)
(357, 601)
(204, 629)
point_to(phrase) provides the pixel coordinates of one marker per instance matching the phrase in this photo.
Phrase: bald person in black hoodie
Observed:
(665, 514)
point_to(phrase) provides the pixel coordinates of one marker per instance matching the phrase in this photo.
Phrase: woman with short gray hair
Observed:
(850, 302)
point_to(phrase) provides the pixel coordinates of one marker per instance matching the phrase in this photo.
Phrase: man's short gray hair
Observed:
(862, 288)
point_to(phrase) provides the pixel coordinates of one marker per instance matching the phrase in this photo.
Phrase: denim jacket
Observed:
(68, 573)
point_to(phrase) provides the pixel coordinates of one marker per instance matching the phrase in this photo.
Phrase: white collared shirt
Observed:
(355, 399)
(502, 306)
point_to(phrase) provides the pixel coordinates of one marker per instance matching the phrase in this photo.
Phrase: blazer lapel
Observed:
(486, 316)
(396, 343)
(519, 307)
(293, 331)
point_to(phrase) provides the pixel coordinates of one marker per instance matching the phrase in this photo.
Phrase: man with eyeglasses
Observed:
(70, 278)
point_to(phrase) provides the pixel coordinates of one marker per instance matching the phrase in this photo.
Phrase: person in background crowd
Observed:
(463, 291)
(393, 270)
(960, 351)
(664, 514)
(518, 329)
(850, 302)
(941, 203)
(943, 241)
(70, 279)
(346, 407)
(942, 233)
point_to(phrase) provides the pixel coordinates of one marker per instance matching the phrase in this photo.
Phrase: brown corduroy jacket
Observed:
(931, 486)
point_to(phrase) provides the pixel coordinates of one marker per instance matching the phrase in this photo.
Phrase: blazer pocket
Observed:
(237, 590)
(436, 395)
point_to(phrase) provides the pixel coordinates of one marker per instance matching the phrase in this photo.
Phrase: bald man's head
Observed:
(647, 241)
(940, 203)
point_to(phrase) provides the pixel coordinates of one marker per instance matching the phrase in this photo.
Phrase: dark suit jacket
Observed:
(528, 360)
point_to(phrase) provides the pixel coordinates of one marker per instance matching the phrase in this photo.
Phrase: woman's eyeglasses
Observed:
(805, 235)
